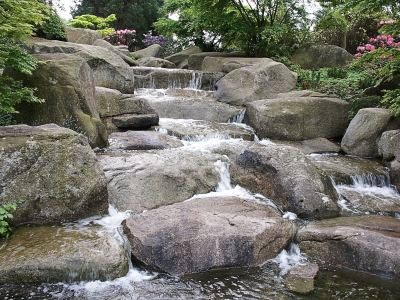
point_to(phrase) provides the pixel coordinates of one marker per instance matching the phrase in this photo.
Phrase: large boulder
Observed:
(109, 69)
(255, 82)
(66, 83)
(140, 181)
(54, 171)
(365, 130)
(61, 254)
(292, 117)
(107, 45)
(287, 177)
(195, 61)
(367, 243)
(82, 35)
(155, 62)
(316, 56)
(205, 234)
(228, 64)
(154, 50)
(180, 59)
(189, 104)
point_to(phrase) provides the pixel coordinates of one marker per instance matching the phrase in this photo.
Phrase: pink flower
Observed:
(371, 40)
(369, 47)
(358, 54)
(383, 56)
(360, 48)
(391, 57)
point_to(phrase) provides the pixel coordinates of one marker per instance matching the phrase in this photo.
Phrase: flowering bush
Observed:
(158, 39)
(382, 56)
(123, 37)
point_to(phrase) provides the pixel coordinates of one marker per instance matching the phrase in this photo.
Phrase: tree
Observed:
(258, 27)
(131, 14)
(18, 20)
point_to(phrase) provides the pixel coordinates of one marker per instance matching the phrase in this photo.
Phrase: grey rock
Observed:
(300, 278)
(135, 120)
(66, 83)
(366, 243)
(82, 36)
(363, 134)
(228, 64)
(315, 56)
(140, 181)
(389, 145)
(142, 140)
(54, 171)
(298, 118)
(287, 177)
(197, 129)
(182, 56)
(155, 63)
(195, 61)
(313, 146)
(205, 234)
(61, 254)
(189, 104)
(107, 45)
(260, 81)
(109, 69)
(154, 50)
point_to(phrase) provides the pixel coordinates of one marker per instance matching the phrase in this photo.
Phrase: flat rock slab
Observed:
(146, 180)
(365, 243)
(342, 168)
(135, 121)
(190, 104)
(205, 234)
(317, 145)
(61, 254)
(141, 140)
(197, 129)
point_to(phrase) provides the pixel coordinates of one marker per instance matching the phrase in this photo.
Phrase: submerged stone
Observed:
(61, 254)
(300, 278)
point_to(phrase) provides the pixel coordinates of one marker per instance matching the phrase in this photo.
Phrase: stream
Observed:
(263, 282)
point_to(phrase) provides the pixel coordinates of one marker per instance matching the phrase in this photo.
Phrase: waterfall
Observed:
(371, 180)
(238, 118)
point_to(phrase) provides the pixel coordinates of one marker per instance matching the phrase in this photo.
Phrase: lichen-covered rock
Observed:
(109, 69)
(255, 82)
(154, 50)
(205, 234)
(140, 181)
(228, 64)
(298, 118)
(287, 177)
(155, 63)
(365, 130)
(66, 83)
(107, 45)
(300, 278)
(61, 254)
(195, 61)
(315, 56)
(82, 35)
(54, 171)
(180, 59)
(367, 243)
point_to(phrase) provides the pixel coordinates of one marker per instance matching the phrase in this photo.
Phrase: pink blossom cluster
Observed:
(381, 41)
(122, 37)
(388, 22)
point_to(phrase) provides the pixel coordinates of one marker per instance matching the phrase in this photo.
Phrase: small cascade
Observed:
(238, 118)
(372, 180)
(289, 258)
(223, 169)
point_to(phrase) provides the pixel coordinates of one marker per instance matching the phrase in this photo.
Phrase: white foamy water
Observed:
(287, 259)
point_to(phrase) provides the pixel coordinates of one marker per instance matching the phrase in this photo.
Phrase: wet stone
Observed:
(300, 278)
(61, 254)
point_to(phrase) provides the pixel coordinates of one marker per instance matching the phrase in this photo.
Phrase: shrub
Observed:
(53, 27)
(158, 39)
(5, 214)
(358, 103)
(103, 25)
(123, 37)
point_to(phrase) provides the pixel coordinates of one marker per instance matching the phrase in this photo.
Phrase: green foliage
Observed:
(137, 14)
(14, 56)
(18, 20)
(267, 28)
(94, 23)
(5, 214)
(6, 119)
(358, 103)
(337, 73)
(391, 99)
(53, 27)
